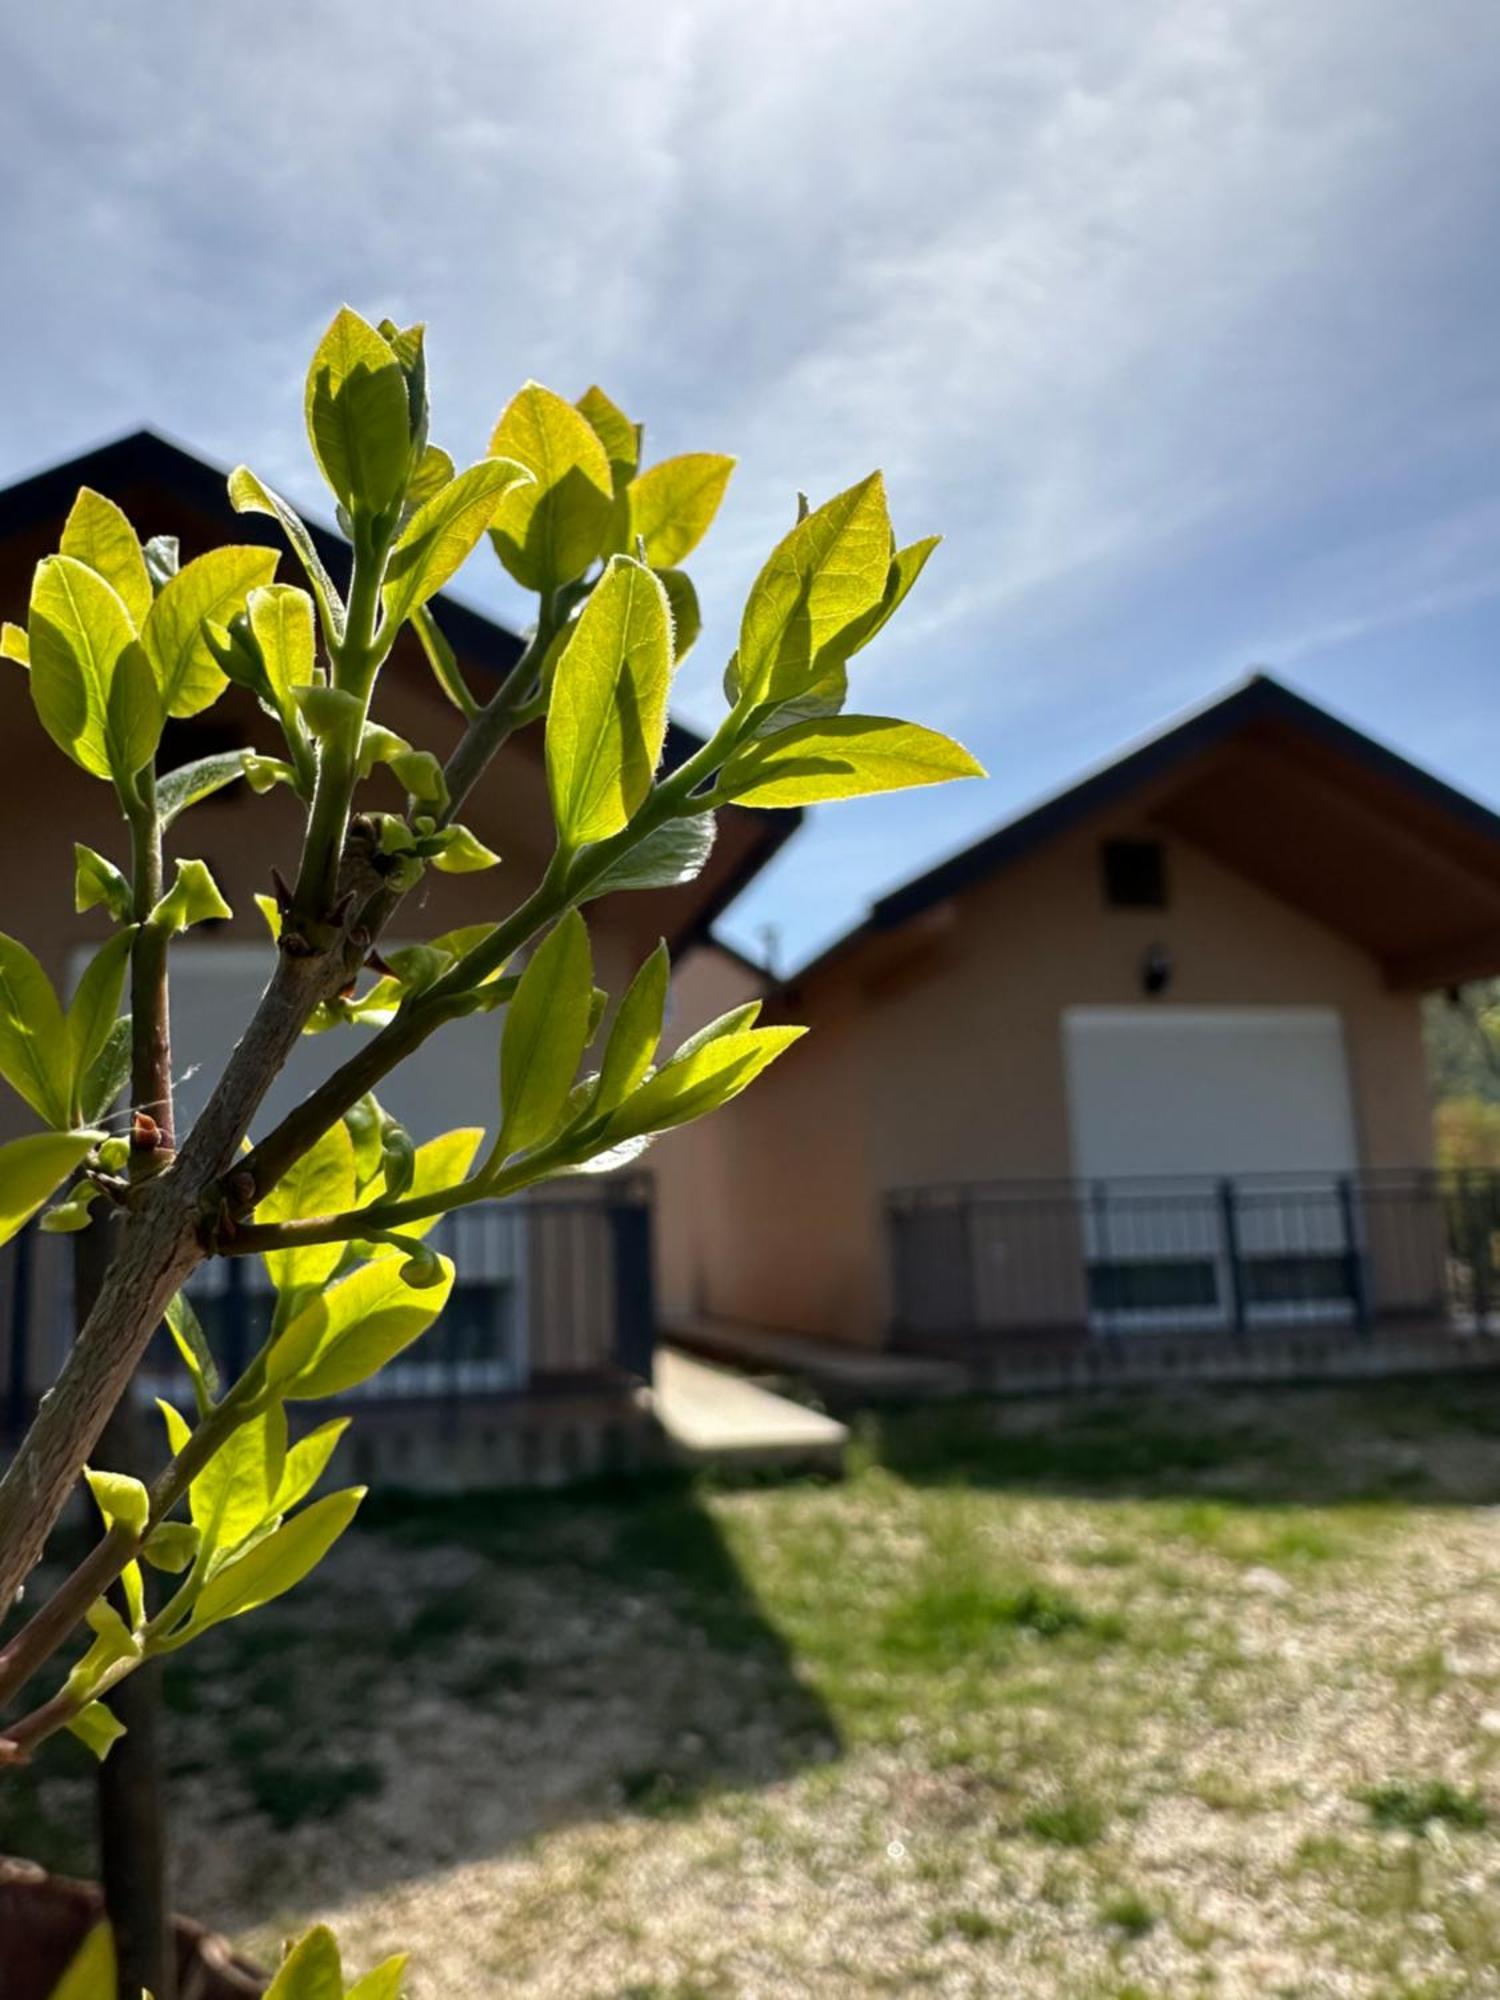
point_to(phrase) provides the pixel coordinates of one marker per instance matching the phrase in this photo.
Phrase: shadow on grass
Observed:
(1434, 1441)
(462, 1675)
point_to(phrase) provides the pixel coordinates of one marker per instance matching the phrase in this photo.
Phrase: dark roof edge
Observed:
(1259, 697)
(145, 455)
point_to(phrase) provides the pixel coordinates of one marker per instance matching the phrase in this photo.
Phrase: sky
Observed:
(1176, 319)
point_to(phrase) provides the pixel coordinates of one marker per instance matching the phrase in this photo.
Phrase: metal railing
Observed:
(1235, 1256)
(550, 1291)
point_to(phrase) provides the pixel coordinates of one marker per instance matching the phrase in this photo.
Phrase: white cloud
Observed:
(1175, 318)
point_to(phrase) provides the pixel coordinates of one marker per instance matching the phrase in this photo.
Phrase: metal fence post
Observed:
(236, 1319)
(1230, 1221)
(634, 1285)
(1354, 1264)
(18, 1388)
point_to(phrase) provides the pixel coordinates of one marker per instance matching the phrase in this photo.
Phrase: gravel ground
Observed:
(1045, 1702)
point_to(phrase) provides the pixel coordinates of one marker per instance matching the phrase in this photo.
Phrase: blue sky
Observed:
(1178, 319)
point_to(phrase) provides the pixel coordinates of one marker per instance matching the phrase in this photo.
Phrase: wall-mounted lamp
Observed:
(1156, 970)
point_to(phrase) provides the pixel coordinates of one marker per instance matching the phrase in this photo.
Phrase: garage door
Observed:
(1167, 1104)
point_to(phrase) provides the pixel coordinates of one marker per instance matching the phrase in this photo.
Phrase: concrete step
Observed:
(711, 1417)
(846, 1376)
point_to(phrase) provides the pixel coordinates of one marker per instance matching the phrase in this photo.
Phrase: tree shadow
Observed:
(1427, 1441)
(460, 1676)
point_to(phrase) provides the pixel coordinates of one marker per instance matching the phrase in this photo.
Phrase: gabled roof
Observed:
(1285, 793)
(143, 465)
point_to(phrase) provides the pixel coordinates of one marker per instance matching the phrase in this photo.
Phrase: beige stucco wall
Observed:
(937, 1055)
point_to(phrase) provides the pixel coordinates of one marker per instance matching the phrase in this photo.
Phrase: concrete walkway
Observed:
(712, 1417)
(849, 1377)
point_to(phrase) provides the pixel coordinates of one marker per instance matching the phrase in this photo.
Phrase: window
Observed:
(1135, 875)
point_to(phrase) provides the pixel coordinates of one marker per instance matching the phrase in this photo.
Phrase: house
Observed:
(1143, 1064)
(553, 1310)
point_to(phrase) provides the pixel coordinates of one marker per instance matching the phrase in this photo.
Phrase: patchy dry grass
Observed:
(1176, 1697)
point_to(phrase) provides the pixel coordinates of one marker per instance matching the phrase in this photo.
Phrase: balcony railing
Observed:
(551, 1292)
(1236, 1256)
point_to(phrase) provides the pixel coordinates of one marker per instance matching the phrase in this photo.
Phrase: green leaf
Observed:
(306, 1463)
(345, 1334)
(236, 1491)
(322, 1182)
(281, 619)
(744, 1016)
(193, 898)
(96, 881)
(358, 414)
(34, 1051)
(691, 1085)
(191, 1342)
(672, 505)
(906, 566)
(687, 619)
(818, 583)
(77, 630)
(91, 1970)
(249, 494)
(442, 534)
(842, 757)
(210, 591)
(462, 853)
(172, 1546)
(94, 1009)
(440, 658)
(100, 1729)
(608, 714)
(383, 1983)
(108, 1074)
(184, 787)
(674, 854)
(97, 534)
(546, 1031)
(310, 1970)
(121, 1500)
(634, 1036)
(133, 717)
(620, 438)
(548, 533)
(14, 644)
(429, 475)
(273, 1566)
(440, 1163)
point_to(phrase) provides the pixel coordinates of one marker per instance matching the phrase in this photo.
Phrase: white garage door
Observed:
(1167, 1104)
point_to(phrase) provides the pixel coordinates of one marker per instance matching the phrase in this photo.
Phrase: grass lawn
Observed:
(1189, 1695)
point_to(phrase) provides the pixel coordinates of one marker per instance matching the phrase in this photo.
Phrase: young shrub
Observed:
(335, 1197)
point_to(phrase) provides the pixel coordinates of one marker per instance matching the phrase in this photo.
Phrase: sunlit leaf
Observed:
(442, 533)
(636, 1031)
(34, 1050)
(546, 1031)
(98, 534)
(844, 756)
(249, 494)
(358, 414)
(608, 714)
(343, 1335)
(818, 583)
(274, 1565)
(672, 505)
(549, 532)
(321, 1182)
(77, 630)
(210, 591)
